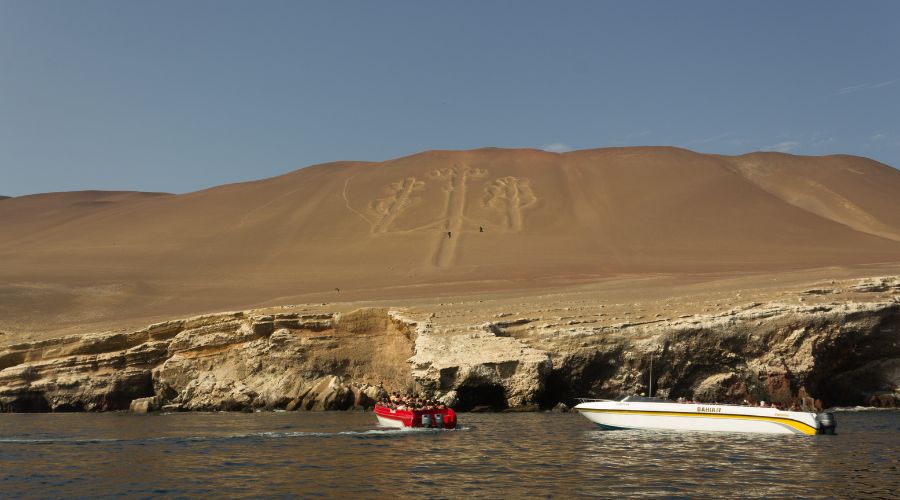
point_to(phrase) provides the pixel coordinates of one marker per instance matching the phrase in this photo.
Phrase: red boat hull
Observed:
(414, 418)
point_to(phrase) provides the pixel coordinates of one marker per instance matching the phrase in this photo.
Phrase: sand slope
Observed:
(381, 229)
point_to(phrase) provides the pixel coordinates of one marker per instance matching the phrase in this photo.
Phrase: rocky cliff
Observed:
(839, 343)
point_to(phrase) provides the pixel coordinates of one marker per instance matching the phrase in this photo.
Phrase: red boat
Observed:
(436, 419)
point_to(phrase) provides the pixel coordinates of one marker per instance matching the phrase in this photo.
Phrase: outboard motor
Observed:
(439, 420)
(426, 420)
(826, 422)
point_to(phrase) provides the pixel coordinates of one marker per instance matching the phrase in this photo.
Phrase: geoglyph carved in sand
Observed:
(399, 198)
(508, 196)
(454, 214)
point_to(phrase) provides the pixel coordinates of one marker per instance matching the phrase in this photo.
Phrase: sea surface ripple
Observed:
(344, 454)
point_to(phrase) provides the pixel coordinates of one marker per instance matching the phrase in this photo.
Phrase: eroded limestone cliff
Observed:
(839, 343)
(229, 361)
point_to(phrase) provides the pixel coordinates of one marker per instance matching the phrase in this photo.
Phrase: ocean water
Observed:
(491, 456)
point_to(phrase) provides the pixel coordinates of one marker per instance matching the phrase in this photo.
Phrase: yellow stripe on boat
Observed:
(800, 426)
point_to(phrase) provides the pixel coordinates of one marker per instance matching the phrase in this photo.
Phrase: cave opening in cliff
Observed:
(26, 403)
(480, 396)
(856, 371)
(557, 389)
(581, 374)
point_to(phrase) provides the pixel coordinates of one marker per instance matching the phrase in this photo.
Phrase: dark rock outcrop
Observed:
(843, 355)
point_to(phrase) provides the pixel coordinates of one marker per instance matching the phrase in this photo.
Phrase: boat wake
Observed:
(861, 408)
(370, 433)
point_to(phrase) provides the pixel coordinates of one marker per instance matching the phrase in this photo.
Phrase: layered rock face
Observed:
(229, 361)
(839, 344)
(839, 352)
(843, 355)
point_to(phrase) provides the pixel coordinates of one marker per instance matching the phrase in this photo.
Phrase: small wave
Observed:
(862, 408)
(369, 432)
(249, 435)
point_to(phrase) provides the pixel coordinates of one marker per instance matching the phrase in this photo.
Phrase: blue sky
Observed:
(178, 96)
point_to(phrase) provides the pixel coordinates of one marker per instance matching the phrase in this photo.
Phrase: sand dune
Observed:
(846, 189)
(436, 222)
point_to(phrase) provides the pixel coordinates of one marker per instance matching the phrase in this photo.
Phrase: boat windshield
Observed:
(643, 399)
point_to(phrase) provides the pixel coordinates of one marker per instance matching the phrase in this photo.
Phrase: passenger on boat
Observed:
(407, 402)
(762, 404)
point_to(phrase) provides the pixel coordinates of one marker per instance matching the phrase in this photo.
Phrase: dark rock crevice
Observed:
(843, 360)
(477, 394)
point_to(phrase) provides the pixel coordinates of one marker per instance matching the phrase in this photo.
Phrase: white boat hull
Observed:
(697, 417)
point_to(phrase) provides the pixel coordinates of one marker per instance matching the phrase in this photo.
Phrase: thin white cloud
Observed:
(821, 141)
(557, 147)
(784, 146)
(884, 84)
(880, 140)
(865, 86)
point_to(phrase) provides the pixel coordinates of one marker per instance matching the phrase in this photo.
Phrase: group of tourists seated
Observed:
(778, 406)
(761, 404)
(410, 402)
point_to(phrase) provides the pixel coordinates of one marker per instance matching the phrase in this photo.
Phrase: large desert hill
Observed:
(438, 222)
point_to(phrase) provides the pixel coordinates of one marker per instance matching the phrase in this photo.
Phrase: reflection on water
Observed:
(493, 455)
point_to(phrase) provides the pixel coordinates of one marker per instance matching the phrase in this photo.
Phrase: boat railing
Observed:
(692, 402)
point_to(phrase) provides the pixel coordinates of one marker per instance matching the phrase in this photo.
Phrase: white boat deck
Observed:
(697, 417)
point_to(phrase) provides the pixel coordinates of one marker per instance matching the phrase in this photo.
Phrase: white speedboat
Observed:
(635, 412)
